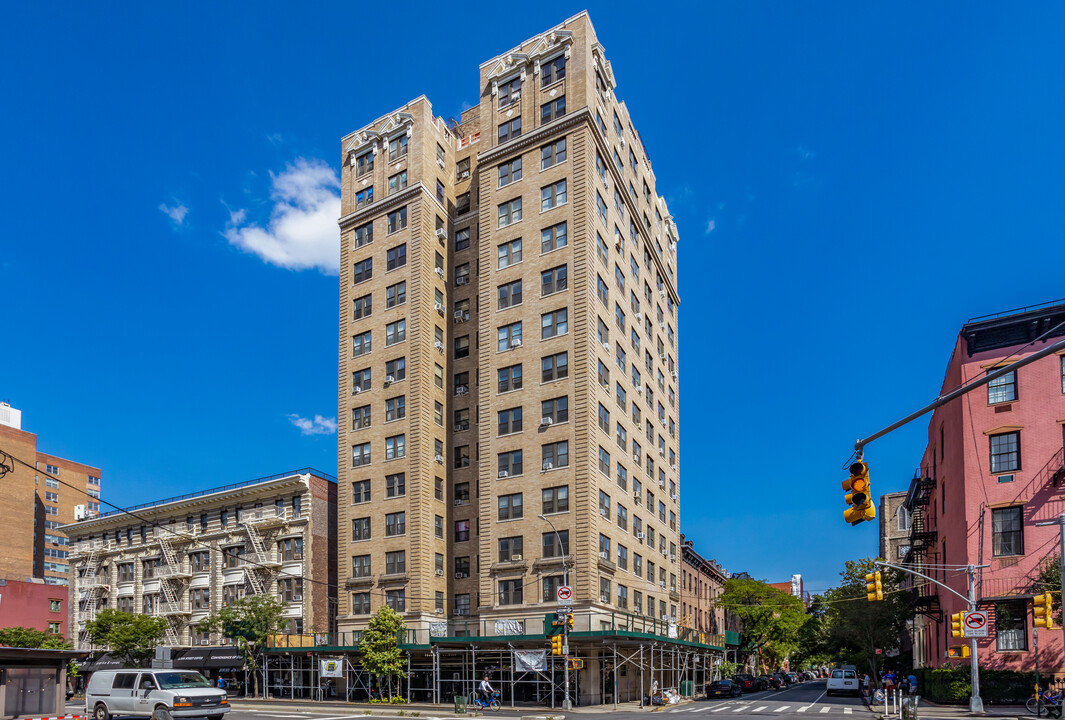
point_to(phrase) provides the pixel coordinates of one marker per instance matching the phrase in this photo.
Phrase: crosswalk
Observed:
(755, 708)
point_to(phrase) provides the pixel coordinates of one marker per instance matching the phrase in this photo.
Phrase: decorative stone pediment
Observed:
(398, 121)
(507, 64)
(599, 54)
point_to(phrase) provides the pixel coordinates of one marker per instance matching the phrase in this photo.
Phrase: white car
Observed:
(844, 680)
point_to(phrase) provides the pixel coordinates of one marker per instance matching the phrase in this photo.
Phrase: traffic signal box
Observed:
(957, 624)
(556, 644)
(958, 651)
(1043, 611)
(859, 495)
(874, 588)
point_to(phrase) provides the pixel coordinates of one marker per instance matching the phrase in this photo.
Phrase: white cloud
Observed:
(177, 213)
(711, 226)
(318, 426)
(302, 231)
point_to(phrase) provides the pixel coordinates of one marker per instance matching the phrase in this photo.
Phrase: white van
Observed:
(138, 693)
(840, 680)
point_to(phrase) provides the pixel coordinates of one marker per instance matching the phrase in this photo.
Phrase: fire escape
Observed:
(922, 541)
(174, 575)
(91, 587)
(261, 565)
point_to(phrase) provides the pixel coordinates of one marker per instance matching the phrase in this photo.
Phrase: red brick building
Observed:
(33, 605)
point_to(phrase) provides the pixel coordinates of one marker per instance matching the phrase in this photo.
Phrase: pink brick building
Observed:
(992, 469)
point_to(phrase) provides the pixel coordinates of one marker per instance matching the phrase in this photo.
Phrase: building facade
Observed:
(37, 605)
(508, 349)
(184, 558)
(992, 470)
(894, 520)
(37, 502)
(702, 581)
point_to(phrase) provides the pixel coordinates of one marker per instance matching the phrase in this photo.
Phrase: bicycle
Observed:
(1043, 700)
(492, 704)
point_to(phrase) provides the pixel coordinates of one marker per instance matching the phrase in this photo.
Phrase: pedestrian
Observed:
(889, 681)
(912, 680)
(865, 685)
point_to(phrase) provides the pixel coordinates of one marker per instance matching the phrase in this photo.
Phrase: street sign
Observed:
(565, 594)
(878, 651)
(976, 624)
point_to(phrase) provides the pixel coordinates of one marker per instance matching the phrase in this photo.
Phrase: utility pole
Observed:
(1060, 522)
(566, 703)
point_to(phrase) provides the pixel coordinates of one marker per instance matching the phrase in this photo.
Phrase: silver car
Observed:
(139, 693)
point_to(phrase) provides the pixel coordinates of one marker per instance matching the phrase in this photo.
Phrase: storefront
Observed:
(223, 666)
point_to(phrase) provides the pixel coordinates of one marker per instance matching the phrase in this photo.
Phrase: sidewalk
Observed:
(928, 709)
(428, 709)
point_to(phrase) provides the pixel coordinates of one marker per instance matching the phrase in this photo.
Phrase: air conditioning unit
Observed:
(606, 346)
(661, 583)
(604, 513)
(515, 558)
(460, 316)
(439, 346)
(662, 357)
(390, 379)
(440, 308)
(440, 573)
(461, 390)
(639, 391)
(440, 611)
(662, 292)
(464, 174)
(459, 575)
(549, 465)
(440, 272)
(639, 316)
(462, 611)
(636, 457)
(673, 466)
(661, 452)
(356, 390)
(504, 474)
(462, 279)
(515, 343)
(460, 428)
(604, 555)
(637, 497)
(661, 483)
(460, 501)
(440, 459)
(618, 246)
(441, 232)
(673, 373)
(672, 557)
(641, 536)
(673, 496)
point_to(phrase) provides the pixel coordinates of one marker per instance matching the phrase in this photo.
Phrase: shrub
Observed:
(997, 687)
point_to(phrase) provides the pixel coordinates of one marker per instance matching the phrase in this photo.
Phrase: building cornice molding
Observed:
(537, 136)
(382, 206)
(1003, 429)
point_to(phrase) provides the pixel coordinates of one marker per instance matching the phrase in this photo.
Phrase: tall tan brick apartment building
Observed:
(508, 348)
(37, 501)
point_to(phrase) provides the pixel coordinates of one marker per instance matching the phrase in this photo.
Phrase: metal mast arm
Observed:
(914, 572)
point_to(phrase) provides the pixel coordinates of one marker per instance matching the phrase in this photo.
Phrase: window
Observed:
(363, 235)
(396, 369)
(360, 603)
(555, 455)
(509, 336)
(553, 110)
(395, 447)
(510, 129)
(553, 324)
(462, 531)
(397, 220)
(509, 172)
(396, 599)
(509, 253)
(623, 557)
(396, 294)
(554, 367)
(621, 436)
(395, 524)
(440, 192)
(509, 421)
(1005, 452)
(462, 204)
(510, 212)
(509, 378)
(462, 169)
(1007, 531)
(397, 257)
(462, 456)
(360, 417)
(438, 521)
(555, 500)
(619, 319)
(1011, 625)
(364, 163)
(604, 462)
(556, 410)
(360, 455)
(1002, 389)
(600, 207)
(904, 518)
(553, 195)
(509, 547)
(604, 419)
(396, 485)
(397, 182)
(600, 248)
(360, 491)
(510, 592)
(604, 375)
(509, 92)
(200, 599)
(510, 507)
(396, 408)
(397, 148)
(51, 496)
(553, 280)
(462, 239)
(509, 295)
(553, 154)
(602, 291)
(510, 462)
(552, 71)
(361, 344)
(395, 562)
(288, 549)
(364, 197)
(396, 332)
(553, 238)
(362, 271)
(462, 347)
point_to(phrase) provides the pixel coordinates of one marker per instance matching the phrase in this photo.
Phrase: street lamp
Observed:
(566, 703)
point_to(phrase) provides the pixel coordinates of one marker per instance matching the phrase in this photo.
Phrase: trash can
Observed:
(460, 704)
(687, 688)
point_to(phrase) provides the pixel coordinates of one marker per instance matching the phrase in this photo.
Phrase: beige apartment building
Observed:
(508, 349)
(183, 558)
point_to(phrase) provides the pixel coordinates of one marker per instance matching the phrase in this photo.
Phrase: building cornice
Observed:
(389, 203)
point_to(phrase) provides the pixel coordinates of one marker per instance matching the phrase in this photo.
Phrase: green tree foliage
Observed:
(133, 638)
(249, 622)
(1049, 578)
(771, 619)
(379, 647)
(24, 637)
(813, 637)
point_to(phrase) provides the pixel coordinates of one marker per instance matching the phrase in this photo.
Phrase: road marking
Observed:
(760, 709)
(719, 709)
(804, 708)
(825, 709)
(782, 708)
(740, 707)
(846, 711)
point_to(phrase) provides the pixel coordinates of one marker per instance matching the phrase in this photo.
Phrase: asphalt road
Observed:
(801, 701)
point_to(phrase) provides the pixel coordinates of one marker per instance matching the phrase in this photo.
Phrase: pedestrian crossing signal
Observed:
(957, 624)
(958, 651)
(874, 588)
(556, 644)
(859, 495)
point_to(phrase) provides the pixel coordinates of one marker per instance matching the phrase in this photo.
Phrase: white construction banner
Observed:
(508, 627)
(527, 660)
(438, 629)
(672, 631)
(330, 668)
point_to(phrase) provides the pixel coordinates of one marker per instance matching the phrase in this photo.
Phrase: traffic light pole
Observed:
(567, 704)
(978, 382)
(1060, 522)
(976, 705)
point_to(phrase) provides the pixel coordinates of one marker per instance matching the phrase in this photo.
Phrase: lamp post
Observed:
(566, 704)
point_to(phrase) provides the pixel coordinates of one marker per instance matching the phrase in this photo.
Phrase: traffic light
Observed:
(957, 624)
(556, 644)
(1043, 611)
(858, 496)
(569, 621)
(873, 587)
(958, 651)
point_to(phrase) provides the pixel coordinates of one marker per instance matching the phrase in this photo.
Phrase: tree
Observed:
(249, 622)
(379, 646)
(771, 618)
(133, 638)
(813, 646)
(24, 637)
(1049, 578)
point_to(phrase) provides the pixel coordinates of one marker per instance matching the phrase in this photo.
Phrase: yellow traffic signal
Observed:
(958, 651)
(874, 588)
(569, 621)
(859, 495)
(957, 624)
(1042, 611)
(556, 644)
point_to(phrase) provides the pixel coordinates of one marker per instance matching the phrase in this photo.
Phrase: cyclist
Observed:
(486, 690)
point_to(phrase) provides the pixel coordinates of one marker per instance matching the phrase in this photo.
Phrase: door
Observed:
(143, 699)
(122, 690)
(30, 691)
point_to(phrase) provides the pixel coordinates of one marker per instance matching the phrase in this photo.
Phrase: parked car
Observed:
(794, 677)
(764, 682)
(745, 681)
(724, 688)
(139, 693)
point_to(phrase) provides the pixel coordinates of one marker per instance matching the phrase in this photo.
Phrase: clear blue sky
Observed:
(851, 183)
